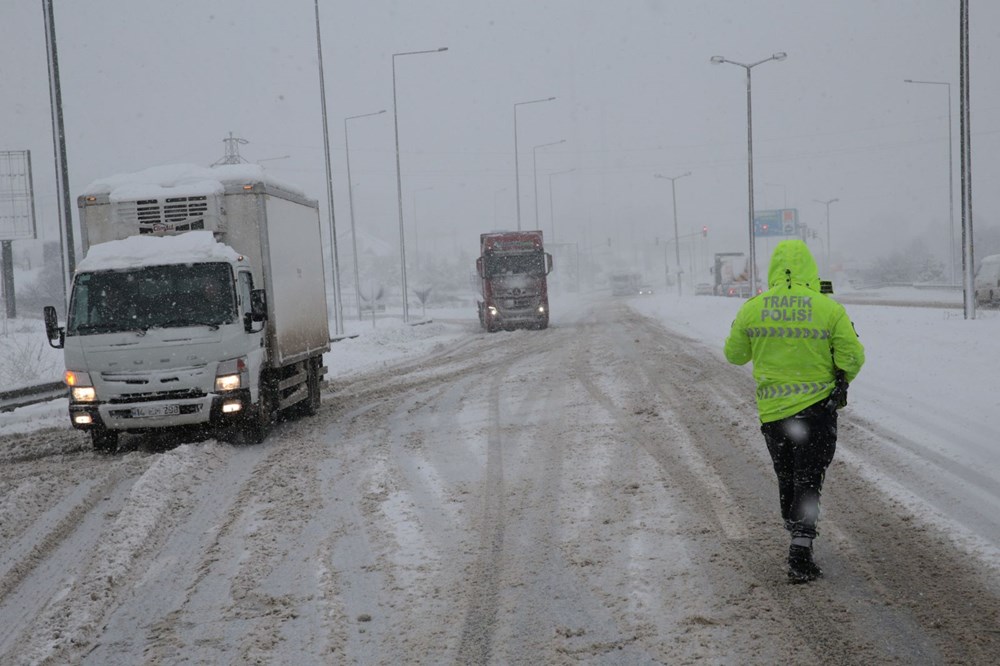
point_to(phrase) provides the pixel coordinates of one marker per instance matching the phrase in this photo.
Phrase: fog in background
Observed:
(148, 83)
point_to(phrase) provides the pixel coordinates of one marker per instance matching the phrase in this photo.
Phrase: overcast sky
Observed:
(148, 82)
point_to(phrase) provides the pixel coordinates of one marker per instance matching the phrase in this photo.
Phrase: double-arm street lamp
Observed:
(534, 171)
(951, 177)
(718, 60)
(552, 215)
(677, 245)
(827, 204)
(399, 179)
(517, 173)
(350, 201)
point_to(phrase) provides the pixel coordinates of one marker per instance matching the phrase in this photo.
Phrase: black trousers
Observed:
(801, 448)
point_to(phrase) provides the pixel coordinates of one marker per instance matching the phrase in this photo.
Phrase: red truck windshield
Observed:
(532, 263)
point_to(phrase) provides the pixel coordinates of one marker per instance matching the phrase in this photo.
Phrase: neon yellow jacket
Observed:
(796, 337)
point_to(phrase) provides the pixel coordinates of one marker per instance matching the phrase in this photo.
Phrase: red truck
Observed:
(512, 267)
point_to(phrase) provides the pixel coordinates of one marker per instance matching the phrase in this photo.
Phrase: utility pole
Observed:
(232, 155)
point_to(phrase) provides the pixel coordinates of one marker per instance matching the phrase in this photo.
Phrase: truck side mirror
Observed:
(258, 310)
(479, 266)
(548, 263)
(55, 334)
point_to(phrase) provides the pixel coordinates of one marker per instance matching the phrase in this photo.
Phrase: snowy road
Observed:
(597, 492)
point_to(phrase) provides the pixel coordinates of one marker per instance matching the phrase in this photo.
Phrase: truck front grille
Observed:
(152, 396)
(519, 303)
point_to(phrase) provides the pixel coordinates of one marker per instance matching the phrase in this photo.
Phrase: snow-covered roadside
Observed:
(369, 347)
(925, 409)
(925, 361)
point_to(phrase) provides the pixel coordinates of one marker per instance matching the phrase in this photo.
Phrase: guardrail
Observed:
(30, 395)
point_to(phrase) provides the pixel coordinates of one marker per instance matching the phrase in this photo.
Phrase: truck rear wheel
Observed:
(311, 404)
(104, 440)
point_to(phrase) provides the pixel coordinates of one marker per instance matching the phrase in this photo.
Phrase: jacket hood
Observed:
(793, 263)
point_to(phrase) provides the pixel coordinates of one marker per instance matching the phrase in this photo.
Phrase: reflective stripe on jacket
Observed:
(796, 337)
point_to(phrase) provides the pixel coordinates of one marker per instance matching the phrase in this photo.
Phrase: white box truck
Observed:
(201, 301)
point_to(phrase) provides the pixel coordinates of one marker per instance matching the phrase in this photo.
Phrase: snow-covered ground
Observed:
(930, 375)
(596, 492)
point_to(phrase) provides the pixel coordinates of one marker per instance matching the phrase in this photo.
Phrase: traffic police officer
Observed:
(804, 351)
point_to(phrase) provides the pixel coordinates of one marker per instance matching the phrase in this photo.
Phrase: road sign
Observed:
(17, 210)
(779, 222)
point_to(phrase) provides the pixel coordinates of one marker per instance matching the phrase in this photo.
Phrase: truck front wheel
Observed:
(104, 440)
(260, 417)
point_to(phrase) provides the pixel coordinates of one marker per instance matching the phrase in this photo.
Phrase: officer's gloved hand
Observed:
(838, 398)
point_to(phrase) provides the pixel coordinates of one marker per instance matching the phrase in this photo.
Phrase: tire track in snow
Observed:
(480, 617)
(65, 629)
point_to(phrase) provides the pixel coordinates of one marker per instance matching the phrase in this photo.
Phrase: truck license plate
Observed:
(155, 410)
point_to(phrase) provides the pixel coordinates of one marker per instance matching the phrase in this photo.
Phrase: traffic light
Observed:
(704, 232)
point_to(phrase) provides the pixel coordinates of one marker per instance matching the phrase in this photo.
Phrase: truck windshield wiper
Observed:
(175, 323)
(97, 328)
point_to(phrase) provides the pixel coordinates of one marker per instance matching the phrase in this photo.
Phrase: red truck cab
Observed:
(512, 268)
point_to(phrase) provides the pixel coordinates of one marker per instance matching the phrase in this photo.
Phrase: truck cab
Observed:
(153, 344)
(512, 269)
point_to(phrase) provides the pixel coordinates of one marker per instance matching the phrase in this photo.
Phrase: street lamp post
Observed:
(718, 60)
(534, 171)
(68, 257)
(552, 215)
(951, 177)
(517, 174)
(338, 310)
(677, 245)
(399, 179)
(350, 201)
(828, 262)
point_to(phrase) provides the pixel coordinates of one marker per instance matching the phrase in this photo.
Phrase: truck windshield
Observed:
(166, 296)
(496, 265)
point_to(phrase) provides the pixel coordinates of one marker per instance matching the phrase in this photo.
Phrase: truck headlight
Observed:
(492, 310)
(84, 394)
(81, 388)
(229, 374)
(227, 382)
(541, 309)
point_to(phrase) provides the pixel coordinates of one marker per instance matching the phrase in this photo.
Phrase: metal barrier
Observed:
(30, 395)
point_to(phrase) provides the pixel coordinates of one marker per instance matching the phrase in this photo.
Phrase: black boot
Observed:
(801, 568)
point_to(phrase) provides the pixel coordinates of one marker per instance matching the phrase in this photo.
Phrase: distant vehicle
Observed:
(703, 289)
(737, 289)
(201, 302)
(645, 290)
(732, 275)
(624, 284)
(512, 268)
(988, 281)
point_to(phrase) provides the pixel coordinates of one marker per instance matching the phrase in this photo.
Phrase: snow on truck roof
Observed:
(181, 180)
(135, 251)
